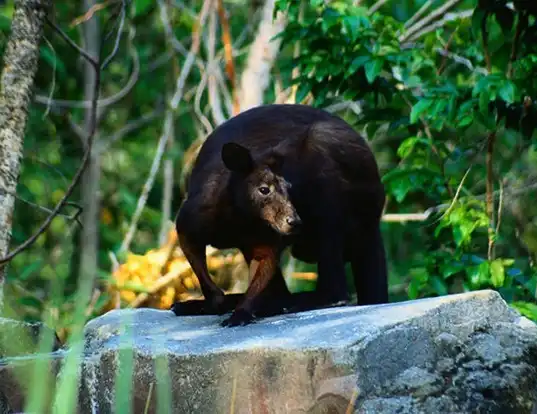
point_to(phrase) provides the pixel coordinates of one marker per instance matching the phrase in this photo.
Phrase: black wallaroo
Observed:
(285, 175)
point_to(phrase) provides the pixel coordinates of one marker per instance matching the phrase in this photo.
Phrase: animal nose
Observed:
(294, 221)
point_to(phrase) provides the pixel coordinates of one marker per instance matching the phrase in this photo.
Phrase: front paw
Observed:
(217, 304)
(239, 317)
(189, 308)
(214, 306)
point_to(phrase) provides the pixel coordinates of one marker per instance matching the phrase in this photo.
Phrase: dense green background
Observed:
(430, 105)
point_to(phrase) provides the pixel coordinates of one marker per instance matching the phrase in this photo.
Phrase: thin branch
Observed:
(53, 85)
(243, 36)
(225, 91)
(184, 8)
(434, 148)
(376, 6)
(510, 193)
(176, 44)
(50, 166)
(197, 100)
(94, 297)
(418, 14)
(491, 139)
(78, 174)
(289, 95)
(89, 14)
(212, 81)
(167, 196)
(101, 103)
(170, 36)
(77, 129)
(522, 21)
(456, 197)
(449, 17)
(262, 53)
(461, 60)
(158, 62)
(355, 107)
(428, 19)
(446, 48)
(118, 36)
(73, 217)
(484, 35)
(159, 284)
(130, 127)
(403, 218)
(194, 49)
(500, 208)
(149, 182)
(228, 50)
(71, 43)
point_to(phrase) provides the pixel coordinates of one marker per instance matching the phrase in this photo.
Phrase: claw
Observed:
(239, 317)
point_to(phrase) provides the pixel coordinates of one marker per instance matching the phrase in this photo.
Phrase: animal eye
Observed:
(264, 189)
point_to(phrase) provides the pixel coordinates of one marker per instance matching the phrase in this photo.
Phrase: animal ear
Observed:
(237, 158)
(275, 160)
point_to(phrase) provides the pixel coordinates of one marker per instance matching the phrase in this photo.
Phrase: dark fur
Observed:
(318, 165)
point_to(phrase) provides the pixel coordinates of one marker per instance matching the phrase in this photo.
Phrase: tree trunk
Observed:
(16, 86)
(90, 182)
(263, 52)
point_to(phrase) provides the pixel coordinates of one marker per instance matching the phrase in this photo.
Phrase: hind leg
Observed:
(331, 283)
(369, 268)
(324, 245)
(327, 247)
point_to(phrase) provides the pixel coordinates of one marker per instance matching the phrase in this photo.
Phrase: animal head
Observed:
(260, 189)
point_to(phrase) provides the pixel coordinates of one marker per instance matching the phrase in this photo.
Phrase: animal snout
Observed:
(293, 221)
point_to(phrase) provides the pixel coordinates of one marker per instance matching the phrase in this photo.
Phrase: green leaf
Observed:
(302, 91)
(478, 275)
(30, 268)
(463, 232)
(30, 301)
(439, 107)
(413, 289)
(400, 182)
(505, 17)
(465, 121)
(357, 63)
(373, 68)
(439, 286)
(497, 273)
(352, 23)
(330, 18)
(508, 262)
(477, 18)
(484, 99)
(451, 268)
(507, 91)
(141, 6)
(528, 309)
(452, 108)
(408, 145)
(419, 108)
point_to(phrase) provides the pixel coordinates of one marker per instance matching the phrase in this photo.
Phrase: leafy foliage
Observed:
(449, 110)
(458, 102)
